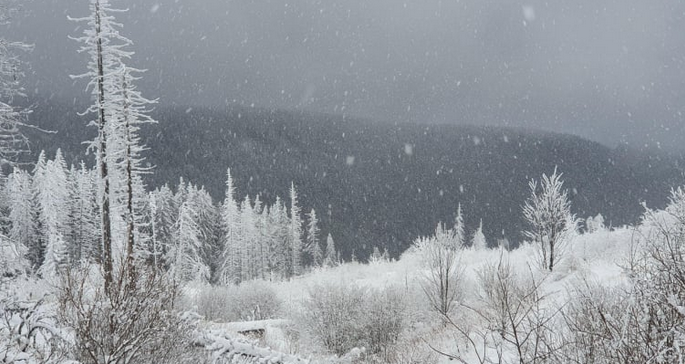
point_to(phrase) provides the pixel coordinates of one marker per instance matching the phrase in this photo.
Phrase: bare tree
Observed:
(548, 213)
(511, 320)
(13, 119)
(127, 324)
(441, 281)
(105, 46)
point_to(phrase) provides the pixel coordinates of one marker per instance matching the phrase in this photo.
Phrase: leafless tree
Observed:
(548, 213)
(130, 324)
(513, 322)
(442, 279)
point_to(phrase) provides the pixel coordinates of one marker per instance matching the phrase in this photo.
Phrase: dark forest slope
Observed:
(383, 184)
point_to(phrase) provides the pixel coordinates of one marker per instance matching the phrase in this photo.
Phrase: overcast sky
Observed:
(610, 70)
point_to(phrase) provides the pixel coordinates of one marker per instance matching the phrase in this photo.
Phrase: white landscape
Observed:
(100, 264)
(616, 294)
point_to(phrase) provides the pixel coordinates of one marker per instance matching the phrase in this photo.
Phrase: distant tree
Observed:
(313, 246)
(441, 283)
(548, 214)
(593, 224)
(229, 268)
(479, 242)
(261, 235)
(54, 197)
(458, 235)
(279, 260)
(36, 253)
(164, 213)
(247, 240)
(85, 213)
(295, 233)
(185, 254)
(22, 209)
(331, 258)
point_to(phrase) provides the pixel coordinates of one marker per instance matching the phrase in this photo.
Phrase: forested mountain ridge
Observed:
(382, 184)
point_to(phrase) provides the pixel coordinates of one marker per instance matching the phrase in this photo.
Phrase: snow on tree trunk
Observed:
(295, 233)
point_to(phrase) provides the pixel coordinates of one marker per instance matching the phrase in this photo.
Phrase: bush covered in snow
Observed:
(253, 300)
(342, 317)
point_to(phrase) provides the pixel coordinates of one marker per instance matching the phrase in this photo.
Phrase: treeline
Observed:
(51, 216)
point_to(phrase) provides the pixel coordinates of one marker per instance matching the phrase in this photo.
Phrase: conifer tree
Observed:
(21, 214)
(479, 242)
(331, 258)
(229, 268)
(185, 254)
(54, 196)
(84, 225)
(295, 233)
(36, 252)
(247, 240)
(313, 240)
(279, 251)
(458, 231)
(163, 216)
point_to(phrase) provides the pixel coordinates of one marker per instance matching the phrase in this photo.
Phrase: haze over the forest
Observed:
(610, 70)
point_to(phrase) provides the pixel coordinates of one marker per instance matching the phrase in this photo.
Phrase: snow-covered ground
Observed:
(598, 257)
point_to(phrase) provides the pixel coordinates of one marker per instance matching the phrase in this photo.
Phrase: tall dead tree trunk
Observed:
(102, 155)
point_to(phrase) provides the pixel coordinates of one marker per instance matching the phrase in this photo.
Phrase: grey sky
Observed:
(609, 70)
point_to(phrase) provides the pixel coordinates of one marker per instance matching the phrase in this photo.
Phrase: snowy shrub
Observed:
(657, 298)
(596, 330)
(509, 317)
(12, 261)
(132, 324)
(384, 319)
(254, 300)
(212, 302)
(332, 315)
(342, 317)
(28, 333)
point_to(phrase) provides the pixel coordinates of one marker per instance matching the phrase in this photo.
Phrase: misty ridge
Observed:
(606, 71)
(426, 181)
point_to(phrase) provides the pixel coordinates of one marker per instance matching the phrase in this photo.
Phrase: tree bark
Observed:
(102, 155)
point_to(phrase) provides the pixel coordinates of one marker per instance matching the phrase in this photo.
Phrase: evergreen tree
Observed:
(458, 236)
(185, 254)
(85, 214)
(313, 240)
(36, 252)
(53, 191)
(229, 270)
(21, 214)
(479, 242)
(295, 233)
(331, 258)
(279, 258)
(247, 240)
(164, 214)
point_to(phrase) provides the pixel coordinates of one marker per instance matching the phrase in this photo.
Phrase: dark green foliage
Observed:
(387, 197)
